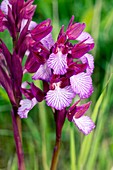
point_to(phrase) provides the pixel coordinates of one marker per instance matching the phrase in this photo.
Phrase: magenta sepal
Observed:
(33, 92)
(10, 23)
(28, 9)
(74, 30)
(32, 63)
(71, 111)
(24, 46)
(22, 36)
(1, 21)
(61, 32)
(37, 93)
(75, 68)
(59, 116)
(41, 30)
(76, 115)
(71, 21)
(6, 54)
(77, 111)
(27, 93)
(5, 81)
(17, 74)
(22, 10)
(80, 49)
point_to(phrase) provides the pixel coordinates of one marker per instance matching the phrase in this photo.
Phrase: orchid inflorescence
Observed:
(64, 66)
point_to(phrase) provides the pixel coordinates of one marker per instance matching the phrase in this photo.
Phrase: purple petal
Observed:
(60, 98)
(48, 41)
(26, 106)
(88, 58)
(58, 62)
(43, 73)
(87, 37)
(84, 124)
(82, 84)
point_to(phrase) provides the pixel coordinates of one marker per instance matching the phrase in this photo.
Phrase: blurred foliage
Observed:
(91, 152)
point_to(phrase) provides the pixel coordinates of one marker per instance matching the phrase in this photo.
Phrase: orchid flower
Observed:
(65, 67)
(76, 115)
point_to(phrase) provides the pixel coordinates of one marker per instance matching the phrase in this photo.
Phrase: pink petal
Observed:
(4, 6)
(32, 24)
(60, 98)
(43, 73)
(26, 106)
(84, 124)
(58, 62)
(88, 58)
(85, 36)
(24, 84)
(82, 84)
(48, 41)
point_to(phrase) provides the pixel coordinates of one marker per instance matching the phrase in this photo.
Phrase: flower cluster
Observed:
(64, 67)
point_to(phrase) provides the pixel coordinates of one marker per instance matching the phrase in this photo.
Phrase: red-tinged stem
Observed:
(59, 120)
(19, 125)
(18, 140)
(55, 157)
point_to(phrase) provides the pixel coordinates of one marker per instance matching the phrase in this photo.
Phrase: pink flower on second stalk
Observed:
(76, 115)
(64, 61)
(75, 64)
(65, 70)
(59, 98)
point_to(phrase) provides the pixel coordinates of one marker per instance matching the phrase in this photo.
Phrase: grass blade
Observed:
(72, 148)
